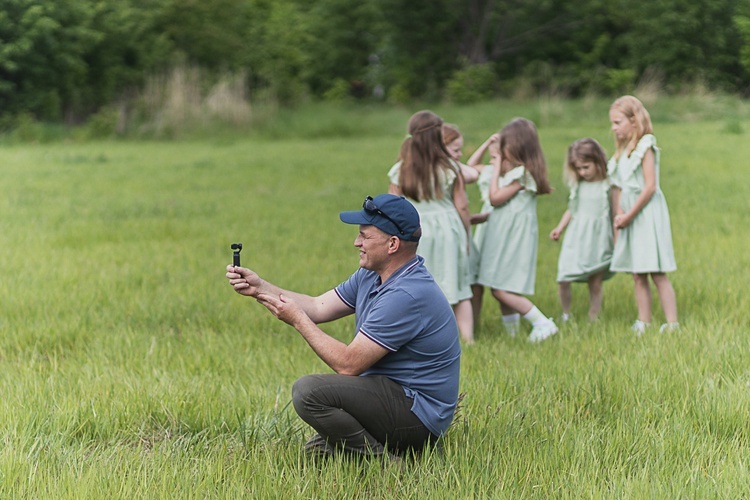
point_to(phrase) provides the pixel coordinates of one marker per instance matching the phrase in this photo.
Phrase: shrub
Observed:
(618, 81)
(471, 84)
(104, 123)
(340, 91)
(398, 94)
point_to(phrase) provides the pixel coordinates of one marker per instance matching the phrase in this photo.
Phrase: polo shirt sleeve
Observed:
(347, 291)
(394, 320)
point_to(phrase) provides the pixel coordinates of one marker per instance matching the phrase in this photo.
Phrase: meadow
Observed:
(130, 369)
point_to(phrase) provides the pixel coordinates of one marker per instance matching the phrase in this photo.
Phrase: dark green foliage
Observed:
(343, 42)
(471, 84)
(42, 64)
(64, 60)
(420, 47)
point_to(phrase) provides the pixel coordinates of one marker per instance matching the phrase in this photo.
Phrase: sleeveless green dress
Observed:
(645, 246)
(444, 240)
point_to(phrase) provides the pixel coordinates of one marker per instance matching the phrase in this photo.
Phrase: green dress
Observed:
(444, 240)
(509, 244)
(483, 183)
(645, 246)
(587, 245)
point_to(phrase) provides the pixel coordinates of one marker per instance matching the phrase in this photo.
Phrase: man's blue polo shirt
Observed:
(410, 316)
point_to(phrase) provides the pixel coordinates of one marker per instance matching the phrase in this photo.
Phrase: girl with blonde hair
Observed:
(643, 245)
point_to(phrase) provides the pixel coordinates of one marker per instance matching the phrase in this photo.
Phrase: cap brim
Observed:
(358, 217)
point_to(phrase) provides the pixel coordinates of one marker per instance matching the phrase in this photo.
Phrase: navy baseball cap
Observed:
(391, 214)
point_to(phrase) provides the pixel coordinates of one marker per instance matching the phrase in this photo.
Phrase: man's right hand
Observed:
(244, 281)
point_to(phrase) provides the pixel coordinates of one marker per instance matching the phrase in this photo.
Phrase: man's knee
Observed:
(301, 391)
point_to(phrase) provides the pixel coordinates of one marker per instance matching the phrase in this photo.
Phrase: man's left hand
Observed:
(284, 308)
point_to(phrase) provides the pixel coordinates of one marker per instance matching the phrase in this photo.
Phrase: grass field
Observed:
(131, 370)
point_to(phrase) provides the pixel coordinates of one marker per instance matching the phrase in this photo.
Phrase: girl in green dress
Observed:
(511, 318)
(643, 246)
(509, 245)
(428, 177)
(473, 172)
(587, 247)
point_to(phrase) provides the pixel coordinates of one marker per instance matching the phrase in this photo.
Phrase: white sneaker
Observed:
(639, 327)
(669, 327)
(543, 331)
(565, 317)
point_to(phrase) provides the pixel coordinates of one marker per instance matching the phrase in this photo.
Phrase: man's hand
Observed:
(244, 281)
(285, 309)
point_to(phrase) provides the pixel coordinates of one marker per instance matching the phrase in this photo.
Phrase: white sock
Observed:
(535, 316)
(511, 322)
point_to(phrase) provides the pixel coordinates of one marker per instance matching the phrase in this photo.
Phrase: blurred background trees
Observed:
(74, 60)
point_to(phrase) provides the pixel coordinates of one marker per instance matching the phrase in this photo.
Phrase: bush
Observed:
(471, 84)
(340, 91)
(398, 94)
(618, 81)
(104, 123)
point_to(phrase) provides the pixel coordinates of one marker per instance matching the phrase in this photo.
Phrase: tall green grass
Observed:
(131, 369)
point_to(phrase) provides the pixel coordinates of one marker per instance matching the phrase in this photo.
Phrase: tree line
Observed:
(63, 60)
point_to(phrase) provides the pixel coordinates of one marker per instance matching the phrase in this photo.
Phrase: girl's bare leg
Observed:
(643, 297)
(465, 320)
(477, 292)
(666, 296)
(506, 309)
(566, 297)
(511, 316)
(512, 302)
(595, 295)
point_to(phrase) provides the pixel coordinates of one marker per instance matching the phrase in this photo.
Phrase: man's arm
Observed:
(351, 359)
(321, 309)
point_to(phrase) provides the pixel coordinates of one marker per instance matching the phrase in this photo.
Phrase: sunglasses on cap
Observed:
(370, 207)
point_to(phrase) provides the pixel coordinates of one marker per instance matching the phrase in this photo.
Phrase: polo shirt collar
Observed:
(405, 269)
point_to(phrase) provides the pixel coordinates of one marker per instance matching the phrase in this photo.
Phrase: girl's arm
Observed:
(555, 234)
(649, 177)
(470, 174)
(500, 195)
(614, 202)
(461, 202)
(614, 208)
(479, 218)
(476, 158)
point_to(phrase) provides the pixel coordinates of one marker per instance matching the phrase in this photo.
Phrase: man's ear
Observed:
(394, 243)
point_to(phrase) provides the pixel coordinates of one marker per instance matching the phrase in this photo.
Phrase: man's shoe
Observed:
(317, 446)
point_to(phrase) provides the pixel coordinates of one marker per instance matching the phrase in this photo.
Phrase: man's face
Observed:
(373, 248)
